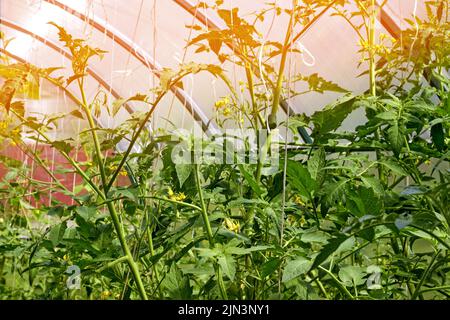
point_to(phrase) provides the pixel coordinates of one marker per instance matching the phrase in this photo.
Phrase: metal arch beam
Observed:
(146, 59)
(193, 10)
(389, 24)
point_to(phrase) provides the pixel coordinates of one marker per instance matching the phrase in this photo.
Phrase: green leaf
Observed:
(355, 205)
(388, 115)
(438, 136)
(138, 97)
(228, 265)
(116, 105)
(300, 178)
(31, 87)
(295, 268)
(396, 138)
(258, 248)
(208, 253)
(87, 213)
(235, 250)
(394, 166)
(367, 234)
(374, 183)
(352, 275)
(56, 211)
(318, 84)
(19, 107)
(181, 253)
(73, 78)
(62, 146)
(270, 266)
(165, 78)
(130, 207)
(176, 285)
(334, 191)
(362, 201)
(315, 236)
(316, 163)
(251, 181)
(57, 233)
(242, 251)
(230, 17)
(215, 45)
(128, 193)
(328, 250)
(183, 172)
(331, 117)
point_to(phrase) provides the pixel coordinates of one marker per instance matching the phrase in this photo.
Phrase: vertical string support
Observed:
(373, 85)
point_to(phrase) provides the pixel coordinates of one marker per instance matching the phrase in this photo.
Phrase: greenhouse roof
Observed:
(144, 36)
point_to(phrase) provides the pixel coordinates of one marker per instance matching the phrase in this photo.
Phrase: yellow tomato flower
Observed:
(298, 200)
(181, 196)
(105, 294)
(175, 196)
(222, 103)
(226, 112)
(302, 221)
(232, 225)
(291, 219)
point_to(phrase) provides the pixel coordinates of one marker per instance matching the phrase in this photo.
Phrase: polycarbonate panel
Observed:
(401, 9)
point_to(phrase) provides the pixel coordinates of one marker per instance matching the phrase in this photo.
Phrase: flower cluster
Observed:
(122, 172)
(223, 106)
(232, 225)
(176, 196)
